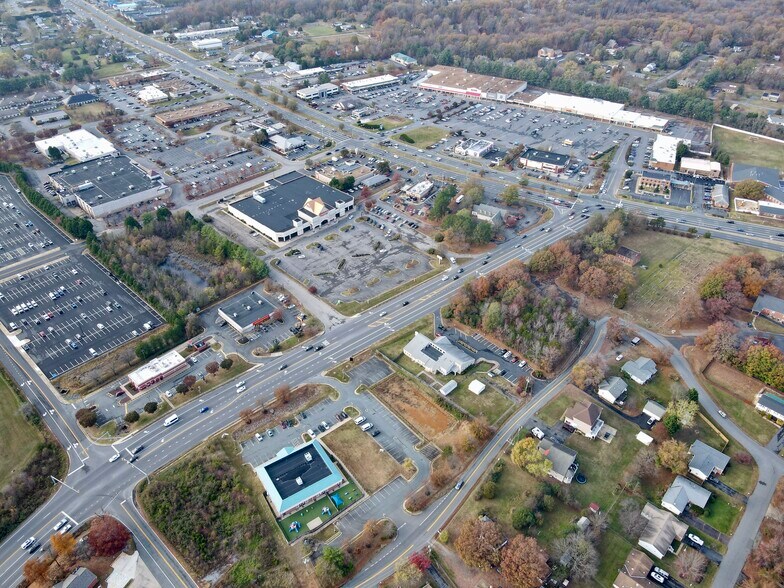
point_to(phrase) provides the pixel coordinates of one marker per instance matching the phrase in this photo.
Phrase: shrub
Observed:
(523, 518)
(227, 363)
(86, 417)
(151, 407)
(131, 417)
(489, 490)
(406, 138)
(438, 237)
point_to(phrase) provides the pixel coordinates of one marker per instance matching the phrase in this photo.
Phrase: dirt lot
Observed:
(363, 457)
(739, 385)
(413, 406)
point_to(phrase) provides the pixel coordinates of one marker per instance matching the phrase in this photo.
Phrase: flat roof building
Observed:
(700, 167)
(206, 33)
(49, 117)
(599, 109)
(173, 118)
(456, 80)
(302, 74)
(291, 205)
(247, 312)
(137, 77)
(80, 144)
(403, 59)
(437, 356)
(151, 95)
(370, 83)
(665, 151)
(80, 100)
(420, 190)
(474, 147)
(298, 476)
(207, 44)
(319, 91)
(544, 160)
(108, 185)
(157, 370)
(285, 145)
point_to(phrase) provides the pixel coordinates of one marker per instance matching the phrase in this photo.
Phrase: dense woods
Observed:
(540, 324)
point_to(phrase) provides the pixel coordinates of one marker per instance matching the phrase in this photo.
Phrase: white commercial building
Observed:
(474, 147)
(701, 167)
(207, 44)
(205, 34)
(152, 95)
(302, 74)
(370, 83)
(420, 190)
(158, 369)
(665, 151)
(284, 145)
(82, 145)
(437, 356)
(319, 91)
(456, 80)
(613, 112)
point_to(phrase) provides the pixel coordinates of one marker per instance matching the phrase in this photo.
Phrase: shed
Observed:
(448, 388)
(476, 387)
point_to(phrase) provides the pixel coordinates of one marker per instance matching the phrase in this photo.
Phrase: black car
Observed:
(375, 433)
(343, 415)
(484, 262)
(137, 449)
(283, 367)
(319, 347)
(405, 303)
(456, 277)
(321, 428)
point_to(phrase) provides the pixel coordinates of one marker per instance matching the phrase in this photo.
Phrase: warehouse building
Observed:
(456, 80)
(291, 205)
(205, 34)
(319, 91)
(474, 147)
(80, 144)
(247, 312)
(49, 117)
(544, 160)
(207, 44)
(295, 75)
(665, 151)
(370, 83)
(152, 95)
(172, 118)
(403, 59)
(137, 77)
(104, 186)
(296, 477)
(157, 370)
(604, 110)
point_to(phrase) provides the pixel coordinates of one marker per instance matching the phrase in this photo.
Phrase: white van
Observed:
(171, 420)
(359, 420)
(366, 427)
(93, 352)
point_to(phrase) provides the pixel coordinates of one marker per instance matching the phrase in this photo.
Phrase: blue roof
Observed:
(290, 478)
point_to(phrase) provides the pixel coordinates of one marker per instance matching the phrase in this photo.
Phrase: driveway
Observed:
(704, 527)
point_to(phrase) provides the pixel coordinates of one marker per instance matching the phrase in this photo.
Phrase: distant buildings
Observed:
(771, 96)
(214, 44)
(173, 118)
(437, 356)
(473, 147)
(319, 91)
(370, 83)
(80, 100)
(80, 144)
(458, 81)
(206, 33)
(403, 59)
(603, 110)
(549, 53)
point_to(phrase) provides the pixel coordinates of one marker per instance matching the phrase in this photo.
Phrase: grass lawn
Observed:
(349, 494)
(319, 29)
(20, 437)
(358, 451)
(675, 265)
(603, 464)
(763, 324)
(238, 367)
(552, 412)
(390, 123)
(613, 551)
(744, 415)
(746, 149)
(721, 514)
(423, 136)
(393, 347)
(491, 404)
(110, 69)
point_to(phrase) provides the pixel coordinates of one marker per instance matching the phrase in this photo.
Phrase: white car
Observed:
(259, 437)
(28, 542)
(657, 577)
(312, 433)
(114, 458)
(619, 357)
(695, 539)
(60, 524)
(538, 433)
(240, 389)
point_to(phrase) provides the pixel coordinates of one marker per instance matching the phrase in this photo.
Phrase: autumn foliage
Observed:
(107, 536)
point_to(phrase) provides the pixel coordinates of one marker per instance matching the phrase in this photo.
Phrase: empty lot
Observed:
(413, 406)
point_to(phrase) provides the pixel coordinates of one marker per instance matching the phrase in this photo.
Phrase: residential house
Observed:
(583, 417)
(641, 370)
(662, 529)
(654, 410)
(564, 460)
(634, 572)
(549, 53)
(437, 356)
(650, 68)
(683, 492)
(491, 214)
(706, 461)
(81, 578)
(628, 256)
(770, 404)
(770, 307)
(613, 389)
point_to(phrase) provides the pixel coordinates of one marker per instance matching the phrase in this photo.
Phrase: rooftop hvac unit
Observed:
(308, 456)
(259, 198)
(299, 481)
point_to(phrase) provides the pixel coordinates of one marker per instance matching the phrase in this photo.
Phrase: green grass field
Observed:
(390, 123)
(423, 136)
(752, 150)
(721, 514)
(490, 403)
(744, 415)
(349, 494)
(110, 69)
(20, 437)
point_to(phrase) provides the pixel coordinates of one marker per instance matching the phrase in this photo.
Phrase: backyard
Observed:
(372, 467)
(743, 148)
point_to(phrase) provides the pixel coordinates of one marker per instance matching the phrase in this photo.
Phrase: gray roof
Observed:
(287, 194)
(775, 193)
(81, 578)
(642, 368)
(559, 455)
(545, 157)
(111, 178)
(614, 385)
(375, 180)
(766, 175)
(707, 459)
(654, 409)
(662, 528)
(768, 302)
(439, 355)
(247, 308)
(771, 402)
(683, 492)
(78, 99)
(495, 214)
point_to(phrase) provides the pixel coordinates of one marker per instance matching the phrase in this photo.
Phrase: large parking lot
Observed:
(70, 311)
(23, 231)
(355, 265)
